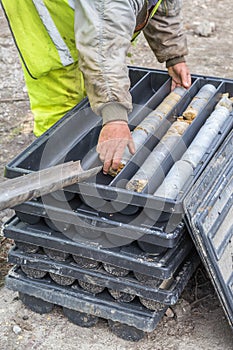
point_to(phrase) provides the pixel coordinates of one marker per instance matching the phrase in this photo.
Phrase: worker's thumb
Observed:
(185, 78)
(131, 146)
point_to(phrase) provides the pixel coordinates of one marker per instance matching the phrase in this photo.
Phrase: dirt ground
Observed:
(197, 321)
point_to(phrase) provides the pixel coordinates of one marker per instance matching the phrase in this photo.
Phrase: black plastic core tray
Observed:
(76, 135)
(74, 298)
(118, 228)
(129, 257)
(128, 284)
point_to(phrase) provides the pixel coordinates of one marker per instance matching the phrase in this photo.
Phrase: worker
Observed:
(70, 48)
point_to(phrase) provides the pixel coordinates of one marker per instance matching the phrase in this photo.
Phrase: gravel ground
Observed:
(197, 321)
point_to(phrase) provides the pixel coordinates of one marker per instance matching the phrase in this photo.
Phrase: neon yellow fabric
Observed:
(53, 95)
(56, 88)
(32, 39)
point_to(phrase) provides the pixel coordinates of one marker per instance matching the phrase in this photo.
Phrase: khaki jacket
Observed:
(103, 33)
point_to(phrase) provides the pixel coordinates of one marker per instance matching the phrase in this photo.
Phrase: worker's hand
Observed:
(114, 137)
(180, 75)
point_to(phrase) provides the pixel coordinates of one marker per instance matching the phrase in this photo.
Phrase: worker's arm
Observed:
(103, 31)
(167, 40)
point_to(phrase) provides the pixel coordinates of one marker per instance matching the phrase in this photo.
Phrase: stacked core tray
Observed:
(97, 249)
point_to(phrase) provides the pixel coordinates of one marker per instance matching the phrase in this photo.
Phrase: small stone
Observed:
(16, 329)
(205, 28)
(169, 313)
(25, 317)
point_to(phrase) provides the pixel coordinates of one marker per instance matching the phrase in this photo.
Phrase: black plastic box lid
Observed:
(209, 217)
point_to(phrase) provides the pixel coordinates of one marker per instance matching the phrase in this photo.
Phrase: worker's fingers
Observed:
(113, 139)
(173, 85)
(117, 156)
(180, 75)
(185, 78)
(111, 152)
(107, 156)
(114, 150)
(189, 80)
(99, 148)
(131, 146)
(107, 166)
(102, 155)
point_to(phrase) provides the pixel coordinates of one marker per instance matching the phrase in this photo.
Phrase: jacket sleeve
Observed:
(165, 33)
(103, 32)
